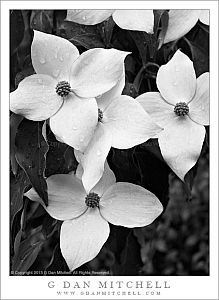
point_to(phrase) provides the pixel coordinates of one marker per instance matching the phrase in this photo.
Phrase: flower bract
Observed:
(85, 228)
(124, 124)
(65, 86)
(181, 107)
(181, 21)
(140, 19)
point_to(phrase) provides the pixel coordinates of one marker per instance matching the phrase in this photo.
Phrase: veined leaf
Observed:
(31, 149)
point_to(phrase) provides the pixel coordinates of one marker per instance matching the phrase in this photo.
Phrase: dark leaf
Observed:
(16, 30)
(154, 172)
(200, 57)
(15, 121)
(18, 185)
(28, 251)
(146, 44)
(106, 30)
(130, 90)
(123, 165)
(57, 262)
(70, 160)
(55, 161)
(42, 20)
(31, 149)
(24, 48)
(141, 41)
(83, 35)
(23, 74)
(164, 26)
(126, 250)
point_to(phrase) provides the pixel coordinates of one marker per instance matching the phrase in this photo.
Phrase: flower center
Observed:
(100, 115)
(92, 200)
(181, 109)
(63, 88)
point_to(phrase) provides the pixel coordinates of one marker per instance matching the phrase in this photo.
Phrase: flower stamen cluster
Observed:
(63, 88)
(92, 200)
(181, 109)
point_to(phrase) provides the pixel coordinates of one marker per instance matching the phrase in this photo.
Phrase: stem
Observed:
(138, 78)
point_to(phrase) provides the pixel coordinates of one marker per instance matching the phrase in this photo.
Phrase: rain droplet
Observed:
(42, 60)
(84, 18)
(56, 73)
(98, 153)
(75, 128)
(61, 58)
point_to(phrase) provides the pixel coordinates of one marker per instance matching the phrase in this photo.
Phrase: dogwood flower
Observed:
(181, 21)
(86, 215)
(65, 86)
(130, 19)
(122, 124)
(182, 109)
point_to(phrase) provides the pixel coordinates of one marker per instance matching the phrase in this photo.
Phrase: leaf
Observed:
(42, 20)
(18, 185)
(55, 161)
(23, 74)
(87, 36)
(70, 160)
(57, 262)
(106, 30)
(146, 44)
(31, 149)
(122, 164)
(154, 172)
(16, 30)
(24, 48)
(164, 26)
(200, 57)
(126, 250)
(15, 121)
(28, 251)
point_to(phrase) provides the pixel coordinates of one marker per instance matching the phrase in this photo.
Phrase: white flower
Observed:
(182, 109)
(65, 86)
(85, 228)
(130, 19)
(181, 21)
(123, 124)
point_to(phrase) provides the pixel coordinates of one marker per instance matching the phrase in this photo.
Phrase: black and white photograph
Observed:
(110, 135)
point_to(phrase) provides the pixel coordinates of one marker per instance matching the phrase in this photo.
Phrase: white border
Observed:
(182, 287)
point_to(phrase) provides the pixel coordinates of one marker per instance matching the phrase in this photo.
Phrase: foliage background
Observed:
(177, 243)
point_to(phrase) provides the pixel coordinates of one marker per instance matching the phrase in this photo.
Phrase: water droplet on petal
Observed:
(75, 128)
(56, 73)
(61, 58)
(84, 18)
(81, 139)
(42, 60)
(175, 83)
(56, 55)
(176, 69)
(98, 153)
(40, 81)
